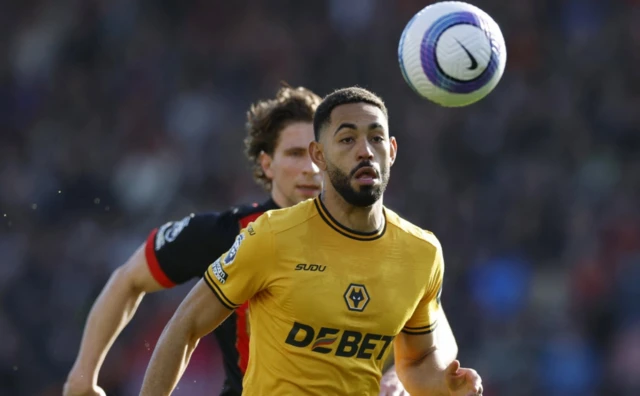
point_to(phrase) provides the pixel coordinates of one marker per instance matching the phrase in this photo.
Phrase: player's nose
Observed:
(364, 151)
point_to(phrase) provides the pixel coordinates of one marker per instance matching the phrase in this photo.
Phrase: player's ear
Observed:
(393, 149)
(265, 162)
(316, 151)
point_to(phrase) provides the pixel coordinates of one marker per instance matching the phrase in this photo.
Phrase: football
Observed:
(452, 53)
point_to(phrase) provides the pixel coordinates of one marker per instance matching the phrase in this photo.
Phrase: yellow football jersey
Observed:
(326, 302)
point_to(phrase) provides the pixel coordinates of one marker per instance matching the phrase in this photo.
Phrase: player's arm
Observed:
(424, 361)
(231, 280)
(199, 314)
(156, 265)
(112, 310)
(425, 350)
(390, 383)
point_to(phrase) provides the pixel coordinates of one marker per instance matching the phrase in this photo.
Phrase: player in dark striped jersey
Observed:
(279, 133)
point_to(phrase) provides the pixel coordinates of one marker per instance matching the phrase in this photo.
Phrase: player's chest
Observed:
(358, 286)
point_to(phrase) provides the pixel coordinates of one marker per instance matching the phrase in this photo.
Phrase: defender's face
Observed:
(358, 152)
(294, 176)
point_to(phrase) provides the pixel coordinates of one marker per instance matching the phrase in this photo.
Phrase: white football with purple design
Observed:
(452, 53)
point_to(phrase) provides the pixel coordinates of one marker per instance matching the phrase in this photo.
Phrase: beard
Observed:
(367, 195)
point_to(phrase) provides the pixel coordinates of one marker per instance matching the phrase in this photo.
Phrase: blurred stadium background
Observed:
(119, 115)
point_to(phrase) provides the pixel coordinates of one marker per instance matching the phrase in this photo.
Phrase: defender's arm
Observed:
(172, 254)
(112, 310)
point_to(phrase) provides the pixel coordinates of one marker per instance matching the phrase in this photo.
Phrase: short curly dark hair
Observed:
(267, 118)
(341, 97)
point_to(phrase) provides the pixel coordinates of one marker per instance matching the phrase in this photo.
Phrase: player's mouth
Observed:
(366, 175)
(310, 190)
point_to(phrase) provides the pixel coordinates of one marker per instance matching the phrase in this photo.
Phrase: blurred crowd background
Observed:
(119, 115)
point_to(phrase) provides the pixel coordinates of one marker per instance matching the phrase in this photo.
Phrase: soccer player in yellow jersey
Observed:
(331, 282)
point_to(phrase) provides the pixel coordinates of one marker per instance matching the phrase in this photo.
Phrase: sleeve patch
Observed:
(233, 251)
(218, 272)
(170, 231)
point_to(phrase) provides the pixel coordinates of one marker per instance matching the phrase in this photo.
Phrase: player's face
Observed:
(294, 176)
(357, 153)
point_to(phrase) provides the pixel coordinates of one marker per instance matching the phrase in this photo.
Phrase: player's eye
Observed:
(297, 153)
(378, 139)
(347, 140)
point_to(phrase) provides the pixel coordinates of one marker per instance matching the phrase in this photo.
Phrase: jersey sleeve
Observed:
(243, 270)
(182, 250)
(425, 317)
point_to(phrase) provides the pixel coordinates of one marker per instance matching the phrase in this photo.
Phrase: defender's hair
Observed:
(341, 97)
(267, 118)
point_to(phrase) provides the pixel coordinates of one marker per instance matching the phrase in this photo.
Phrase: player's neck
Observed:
(280, 199)
(361, 219)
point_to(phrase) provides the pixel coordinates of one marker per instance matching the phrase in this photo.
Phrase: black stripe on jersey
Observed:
(420, 330)
(349, 233)
(216, 290)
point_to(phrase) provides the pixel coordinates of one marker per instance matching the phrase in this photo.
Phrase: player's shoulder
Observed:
(249, 210)
(410, 232)
(238, 216)
(281, 220)
(201, 221)
(214, 222)
(191, 226)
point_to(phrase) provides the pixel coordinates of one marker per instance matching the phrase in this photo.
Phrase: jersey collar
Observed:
(345, 231)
